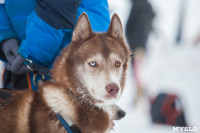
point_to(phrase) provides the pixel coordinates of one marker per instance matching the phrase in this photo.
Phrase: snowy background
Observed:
(167, 67)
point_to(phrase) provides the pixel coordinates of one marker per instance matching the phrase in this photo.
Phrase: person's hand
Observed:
(17, 66)
(15, 61)
(10, 48)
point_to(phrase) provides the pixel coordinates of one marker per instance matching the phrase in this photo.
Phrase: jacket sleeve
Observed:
(6, 30)
(48, 30)
(42, 42)
(18, 12)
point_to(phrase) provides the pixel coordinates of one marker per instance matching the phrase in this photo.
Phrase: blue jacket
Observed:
(41, 41)
(18, 11)
(6, 30)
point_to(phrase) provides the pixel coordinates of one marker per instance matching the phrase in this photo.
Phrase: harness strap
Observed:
(64, 123)
(37, 68)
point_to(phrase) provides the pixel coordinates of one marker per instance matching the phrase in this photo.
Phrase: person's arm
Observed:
(47, 29)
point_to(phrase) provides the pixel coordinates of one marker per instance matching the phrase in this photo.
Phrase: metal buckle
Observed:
(27, 64)
(35, 75)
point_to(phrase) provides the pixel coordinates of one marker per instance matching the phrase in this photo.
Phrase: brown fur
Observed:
(34, 112)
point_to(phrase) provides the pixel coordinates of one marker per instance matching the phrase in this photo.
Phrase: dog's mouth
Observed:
(111, 97)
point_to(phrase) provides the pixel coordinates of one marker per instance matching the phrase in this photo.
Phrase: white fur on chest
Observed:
(58, 101)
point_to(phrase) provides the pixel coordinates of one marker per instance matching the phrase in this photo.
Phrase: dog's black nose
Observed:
(112, 89)
(121, 114)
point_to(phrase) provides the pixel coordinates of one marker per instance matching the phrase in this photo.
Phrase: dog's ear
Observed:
(82, 29)
(115, 29)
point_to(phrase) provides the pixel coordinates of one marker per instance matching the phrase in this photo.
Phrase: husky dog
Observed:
(87, 79)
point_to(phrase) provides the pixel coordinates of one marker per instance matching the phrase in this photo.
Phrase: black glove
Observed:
(15, 60)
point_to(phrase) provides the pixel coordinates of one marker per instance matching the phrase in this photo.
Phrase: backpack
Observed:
(167, 109)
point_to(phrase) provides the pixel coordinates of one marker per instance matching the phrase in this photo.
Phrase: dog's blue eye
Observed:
(92, 64)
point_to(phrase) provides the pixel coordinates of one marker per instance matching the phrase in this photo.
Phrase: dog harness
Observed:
(68, 125)
(64, 123)
(42, 71)
(37, 70)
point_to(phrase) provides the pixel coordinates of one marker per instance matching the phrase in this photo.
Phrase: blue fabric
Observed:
(6, 30)
(18, 12)
(98, 13)
(64, 123)
(42, 43)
